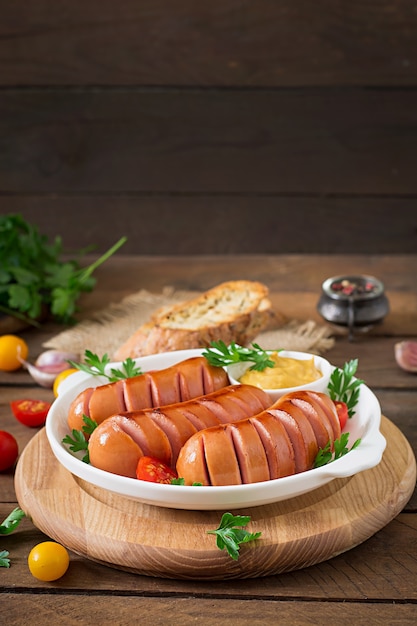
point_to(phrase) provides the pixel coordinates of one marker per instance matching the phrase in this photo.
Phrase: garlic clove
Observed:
(55, 360)
(406, 355)
(43, 378)
(48, 365)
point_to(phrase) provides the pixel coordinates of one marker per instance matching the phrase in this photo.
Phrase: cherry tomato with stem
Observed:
(342, 412)
(48, 561)
(31, 413)
(9, 450)
(154, 471)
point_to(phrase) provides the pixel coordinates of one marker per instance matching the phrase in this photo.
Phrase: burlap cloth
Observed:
(112, 326)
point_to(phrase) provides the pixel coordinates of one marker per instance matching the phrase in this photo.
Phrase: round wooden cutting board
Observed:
(169, 543)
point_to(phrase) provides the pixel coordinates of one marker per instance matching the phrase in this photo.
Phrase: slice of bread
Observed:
(232, 311)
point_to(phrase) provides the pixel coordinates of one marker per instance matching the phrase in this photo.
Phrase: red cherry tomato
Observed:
(154, 471)
(8, 450)
(30, 412)
(342, 412)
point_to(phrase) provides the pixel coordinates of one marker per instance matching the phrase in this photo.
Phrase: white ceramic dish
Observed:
(365, 424)
(237, 370)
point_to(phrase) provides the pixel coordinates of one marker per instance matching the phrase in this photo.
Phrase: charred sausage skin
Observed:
(281, 441)
(188, 379)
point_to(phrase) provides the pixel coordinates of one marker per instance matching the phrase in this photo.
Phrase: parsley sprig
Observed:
(181, 482)
(220, 355)
(79, 440)
(4, 560)
(343, 387)
(11, 522)
(230, 534)
(96, 366)
(34, 278)
(340, 448)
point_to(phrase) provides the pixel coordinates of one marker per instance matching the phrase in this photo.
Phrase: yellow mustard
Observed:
(286, 372)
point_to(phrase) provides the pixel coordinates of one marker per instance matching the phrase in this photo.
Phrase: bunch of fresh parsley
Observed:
(34, 279)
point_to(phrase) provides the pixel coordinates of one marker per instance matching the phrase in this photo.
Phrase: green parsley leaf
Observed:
(340, 448)
(79, 440)
(178, 481)
(181, 481)
(230, 534)
(12, 521)
(342, 386)
(96, 366)
(221, 355)
(8, 525)
(129, 369)
(4, 561)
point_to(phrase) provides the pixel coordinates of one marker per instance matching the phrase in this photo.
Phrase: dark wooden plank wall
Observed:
(211, 127)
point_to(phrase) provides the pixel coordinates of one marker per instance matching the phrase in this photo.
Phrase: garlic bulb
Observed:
(406, 355)
(48, 365)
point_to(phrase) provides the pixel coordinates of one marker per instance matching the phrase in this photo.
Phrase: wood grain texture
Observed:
(372, 583)
(295, 283)
(320, 142)
(177, 42)
(291, 109)
(186, 611)
(149, 540)
(352, 576)
(170, 224)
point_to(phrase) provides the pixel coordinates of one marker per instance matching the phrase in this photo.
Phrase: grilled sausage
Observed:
(117, 444)
(188, 379)
(281, 441)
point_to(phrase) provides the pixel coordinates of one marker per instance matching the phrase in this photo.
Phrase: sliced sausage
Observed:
(222, 464)
(316, 416)
(177, 423)
(174, 424)
(278, 447)
(278, 442)
(194, 459)
(302, 425)
(111, 397)
(188, 379)
(327, 405)
(117, 447)
(250, 452)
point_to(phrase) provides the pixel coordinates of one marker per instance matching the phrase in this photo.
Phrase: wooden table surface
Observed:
(373, 582)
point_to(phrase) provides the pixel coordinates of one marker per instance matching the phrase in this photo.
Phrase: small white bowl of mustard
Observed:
(292, 371)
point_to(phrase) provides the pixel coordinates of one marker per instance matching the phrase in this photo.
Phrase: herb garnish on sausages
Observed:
(96, 366)
(78, 442)
(220, 355)
(327, 455)
(342, 386)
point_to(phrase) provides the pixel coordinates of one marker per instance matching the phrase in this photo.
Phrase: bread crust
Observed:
(232, 311)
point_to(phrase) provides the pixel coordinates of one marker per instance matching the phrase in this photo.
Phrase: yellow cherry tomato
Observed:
(11, 348)
(61, 376)
(48, 561)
